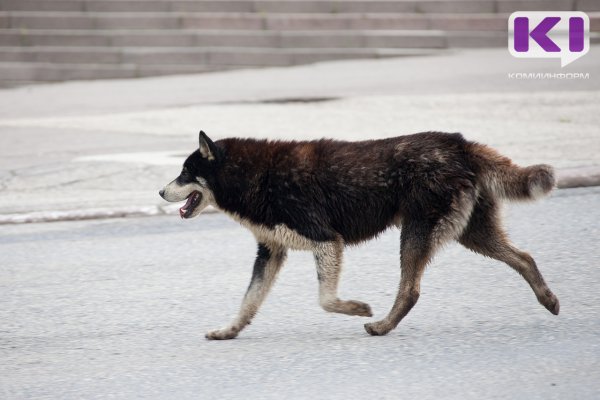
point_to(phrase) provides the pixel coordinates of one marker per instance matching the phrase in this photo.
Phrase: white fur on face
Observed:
(174, 192)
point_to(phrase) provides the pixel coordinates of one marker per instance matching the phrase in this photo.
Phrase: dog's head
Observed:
(192, 183)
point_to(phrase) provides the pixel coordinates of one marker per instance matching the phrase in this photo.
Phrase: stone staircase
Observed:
(57, 40)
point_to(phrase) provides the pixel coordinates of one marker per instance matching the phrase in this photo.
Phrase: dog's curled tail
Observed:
(504, 179)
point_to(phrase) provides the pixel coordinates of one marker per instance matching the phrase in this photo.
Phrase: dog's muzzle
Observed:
(193, 200)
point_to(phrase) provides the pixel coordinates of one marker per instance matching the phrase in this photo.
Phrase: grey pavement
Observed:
(460, 71)
(106, 147)
(118, 309)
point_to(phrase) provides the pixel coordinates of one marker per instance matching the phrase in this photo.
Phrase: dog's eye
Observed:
(185, 177)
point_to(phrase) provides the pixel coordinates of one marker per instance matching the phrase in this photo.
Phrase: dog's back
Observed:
(324, 189)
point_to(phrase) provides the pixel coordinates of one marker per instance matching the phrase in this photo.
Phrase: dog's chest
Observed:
(279, 235)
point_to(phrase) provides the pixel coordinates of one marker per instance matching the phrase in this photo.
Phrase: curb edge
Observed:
(566, 179)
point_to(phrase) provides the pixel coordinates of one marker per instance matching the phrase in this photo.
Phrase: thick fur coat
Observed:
(322, 195)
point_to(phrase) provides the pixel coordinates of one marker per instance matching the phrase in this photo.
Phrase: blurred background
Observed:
(57, 40)
(106, 293)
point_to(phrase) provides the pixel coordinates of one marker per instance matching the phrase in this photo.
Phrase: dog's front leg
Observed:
(328, 257)
(269, 260)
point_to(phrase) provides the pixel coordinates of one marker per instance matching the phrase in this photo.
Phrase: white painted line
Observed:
(91, 213)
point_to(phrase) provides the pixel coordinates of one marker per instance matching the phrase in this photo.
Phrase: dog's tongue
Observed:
(187, 205)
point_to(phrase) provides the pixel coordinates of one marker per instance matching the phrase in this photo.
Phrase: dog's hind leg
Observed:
(328, 257)
(269, 260)
(485, 236)
(416, 250)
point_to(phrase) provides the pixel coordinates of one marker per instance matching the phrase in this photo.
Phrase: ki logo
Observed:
(549, 34)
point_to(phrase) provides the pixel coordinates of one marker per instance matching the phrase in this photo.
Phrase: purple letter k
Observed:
(539, 34)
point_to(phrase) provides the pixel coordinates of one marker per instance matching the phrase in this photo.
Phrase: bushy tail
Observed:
(506, 180)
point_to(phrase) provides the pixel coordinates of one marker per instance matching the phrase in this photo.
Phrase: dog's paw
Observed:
(222, 334)
(358, 308)
(550, 301)
(379, 328)
(348, 307)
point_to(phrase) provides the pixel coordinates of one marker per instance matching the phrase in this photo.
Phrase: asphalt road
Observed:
(118, 309)
(457, 71)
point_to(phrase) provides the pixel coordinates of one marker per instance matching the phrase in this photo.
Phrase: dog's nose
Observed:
(161, 192)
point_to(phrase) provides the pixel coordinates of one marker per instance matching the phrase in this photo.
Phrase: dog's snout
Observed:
(161, 192)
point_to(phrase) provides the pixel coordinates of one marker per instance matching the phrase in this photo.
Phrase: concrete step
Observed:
(252, 21)
(304, 6)
(16, 83)
(53, 40)
(296, 22)
(263, 39)
(289, 6)
(249, 21)
(510, 6)
(14, 74)
(232, 56)
(139, 63)
(300, 6)
(289, 39)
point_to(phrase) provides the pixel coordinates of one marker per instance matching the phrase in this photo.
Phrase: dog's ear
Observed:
(207, 147)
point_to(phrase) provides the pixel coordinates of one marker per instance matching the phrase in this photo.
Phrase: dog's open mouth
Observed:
(190, 205)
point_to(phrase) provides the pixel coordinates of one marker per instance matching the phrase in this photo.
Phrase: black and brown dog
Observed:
(324, 194)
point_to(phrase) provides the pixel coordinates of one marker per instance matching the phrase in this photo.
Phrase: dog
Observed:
(323, 195)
